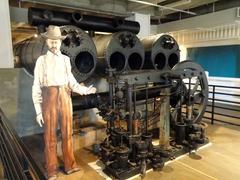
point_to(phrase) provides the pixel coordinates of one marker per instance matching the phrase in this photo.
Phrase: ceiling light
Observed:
(98, 32)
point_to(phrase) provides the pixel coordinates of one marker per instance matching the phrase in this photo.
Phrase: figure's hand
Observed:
(39, 119)
(91, 90)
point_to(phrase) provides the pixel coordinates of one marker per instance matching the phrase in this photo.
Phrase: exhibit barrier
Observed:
(17, 160)
(222, 107)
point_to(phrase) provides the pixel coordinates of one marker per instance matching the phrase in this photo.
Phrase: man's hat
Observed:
(53, 32)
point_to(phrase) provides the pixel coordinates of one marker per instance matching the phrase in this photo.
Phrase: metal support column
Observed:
(164, 129)
(129, 106)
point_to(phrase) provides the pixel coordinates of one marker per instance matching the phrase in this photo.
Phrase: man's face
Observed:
(54, 45)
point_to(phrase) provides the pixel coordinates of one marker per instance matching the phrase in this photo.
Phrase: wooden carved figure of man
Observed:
(53, 82)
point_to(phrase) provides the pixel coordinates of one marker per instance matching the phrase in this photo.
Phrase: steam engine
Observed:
(152, 103)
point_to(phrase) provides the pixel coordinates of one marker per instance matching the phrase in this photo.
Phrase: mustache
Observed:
(53, 50)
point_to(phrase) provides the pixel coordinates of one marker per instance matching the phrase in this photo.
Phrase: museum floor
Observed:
(219, 160)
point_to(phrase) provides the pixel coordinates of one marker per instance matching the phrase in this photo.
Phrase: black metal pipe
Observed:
(231, 109)
(180, 132)
(96, 100)
(230, 94)
(146, 115)
(130, 109)
(38, 16)
(226, 115)
(104, 24)
(218, 120)
(89, 101)
(221, 100)
(134, 101)
(213, 104)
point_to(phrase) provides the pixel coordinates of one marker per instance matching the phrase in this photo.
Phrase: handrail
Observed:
(17, 161)
(213, 105)
(221, 86)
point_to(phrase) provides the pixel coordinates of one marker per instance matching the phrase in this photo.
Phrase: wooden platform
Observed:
(220, 161)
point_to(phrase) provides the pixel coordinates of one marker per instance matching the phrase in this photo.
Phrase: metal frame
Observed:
(213, 105)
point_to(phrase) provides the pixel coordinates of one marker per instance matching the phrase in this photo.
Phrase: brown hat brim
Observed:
(44, 35)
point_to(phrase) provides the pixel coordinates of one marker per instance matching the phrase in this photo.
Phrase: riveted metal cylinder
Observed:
(121, 51)
(161, 52)
(78, 46)
(81, 50)
(27, 52)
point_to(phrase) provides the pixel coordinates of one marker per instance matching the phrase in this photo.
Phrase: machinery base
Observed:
(129, 171)
(132, 170)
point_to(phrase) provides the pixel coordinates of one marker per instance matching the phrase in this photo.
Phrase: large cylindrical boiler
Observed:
(161, 52)
(81, 50)
(121, 51)
(77, 45)
(27, 52)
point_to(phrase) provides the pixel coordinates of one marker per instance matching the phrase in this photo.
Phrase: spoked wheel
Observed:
(190, 93)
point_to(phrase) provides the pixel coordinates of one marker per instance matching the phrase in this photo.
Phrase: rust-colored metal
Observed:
(135, 126)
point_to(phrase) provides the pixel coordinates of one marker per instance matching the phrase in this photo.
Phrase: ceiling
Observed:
(160, 15)
(161, 11)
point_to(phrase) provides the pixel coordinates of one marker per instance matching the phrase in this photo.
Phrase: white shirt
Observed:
(54, 70)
